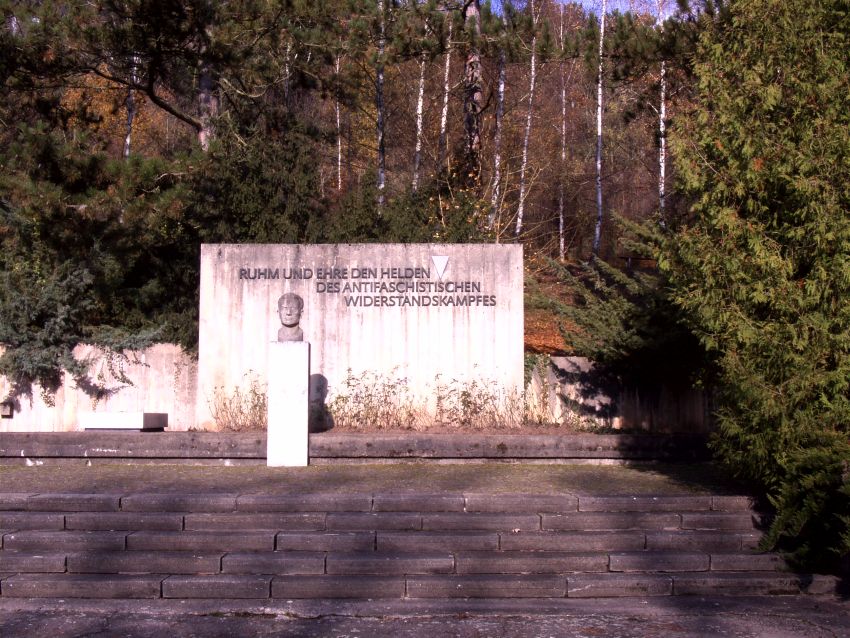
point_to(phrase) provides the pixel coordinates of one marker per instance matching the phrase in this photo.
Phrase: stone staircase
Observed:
(385, 545)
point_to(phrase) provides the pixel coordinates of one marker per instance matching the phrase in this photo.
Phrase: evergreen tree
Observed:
(763, 268)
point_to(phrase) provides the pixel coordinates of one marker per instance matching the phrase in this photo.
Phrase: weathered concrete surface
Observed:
(161, 378)
(777, 617)
(189, 447)
(376, 335)
(574, 391)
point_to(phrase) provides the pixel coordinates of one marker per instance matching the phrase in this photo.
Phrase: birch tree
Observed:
(473, 96)
(662, 119)
(532, 80)
(442, 143)
(379, 105)
(597, 231)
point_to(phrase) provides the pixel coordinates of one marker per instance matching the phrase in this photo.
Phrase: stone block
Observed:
(522, 503)
(417, 503)
(510, 563)
(31, 520)
(274, 563)
(130, 521)
(381, 564)
(526, 586)
(216, 586)
(65, 541)
(704, 541)
(201, 541)
(326, 541)
(356, 521)
(22, 561)
(820, 584)
(474, 521)
(436, 541)
(13, 500)
(323, 502)
(573, 541)
(581, 521)
(659, 562)
(615, 585)
(738, 584)
(178, 503)
(307, 521)
(731, 503)
(82, 586)
(743, 562)
(144, 562)
(366, 587)
(155, 421)
(750, 540)
(719, 521)
(644, 503)
(74, 502)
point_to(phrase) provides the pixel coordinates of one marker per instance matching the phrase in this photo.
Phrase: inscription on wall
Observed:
(381, 286)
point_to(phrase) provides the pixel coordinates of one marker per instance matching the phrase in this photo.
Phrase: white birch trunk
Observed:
(662, 123)
(473, 95)
(531, 84)
(597, 232)
(662, 139)
(561, 225)
(130, 102)
(497, 144)
(338, 135)
(208, 106)
(420, 99)
(379, 106)
(444, 115)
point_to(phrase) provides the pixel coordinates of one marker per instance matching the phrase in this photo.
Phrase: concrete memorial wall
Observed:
(426, 313)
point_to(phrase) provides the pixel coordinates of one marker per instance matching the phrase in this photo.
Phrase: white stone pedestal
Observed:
(288, 404)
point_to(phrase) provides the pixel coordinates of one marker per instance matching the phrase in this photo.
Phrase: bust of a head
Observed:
(289, 309)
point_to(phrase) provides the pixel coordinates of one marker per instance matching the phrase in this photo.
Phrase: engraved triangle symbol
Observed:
(440, 263)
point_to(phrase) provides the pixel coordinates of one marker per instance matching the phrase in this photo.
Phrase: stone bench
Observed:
(140, 421)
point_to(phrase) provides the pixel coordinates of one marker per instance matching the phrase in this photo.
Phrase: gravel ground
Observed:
(776, 617)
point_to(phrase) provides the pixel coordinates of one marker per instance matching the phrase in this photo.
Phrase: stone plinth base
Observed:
(288, 404)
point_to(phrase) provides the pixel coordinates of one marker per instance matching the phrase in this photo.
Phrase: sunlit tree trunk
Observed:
(561, 224)
(379, 105)
(420, 100)
(662, 124)
(473, 97)
(338, 134)
(442, 144)
(532, 80)
(497, 144)
(130, 103)
(208, 104)
(597, 232)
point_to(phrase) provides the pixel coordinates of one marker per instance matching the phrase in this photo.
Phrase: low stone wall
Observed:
(565, 390)
(161, 378)
(219, 448)
(572, 391)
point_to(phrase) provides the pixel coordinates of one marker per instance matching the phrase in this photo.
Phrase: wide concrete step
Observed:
(395, 545)
(258, 586)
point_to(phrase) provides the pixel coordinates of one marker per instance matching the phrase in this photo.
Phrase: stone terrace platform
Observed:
(213, 448)
(403, 533)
